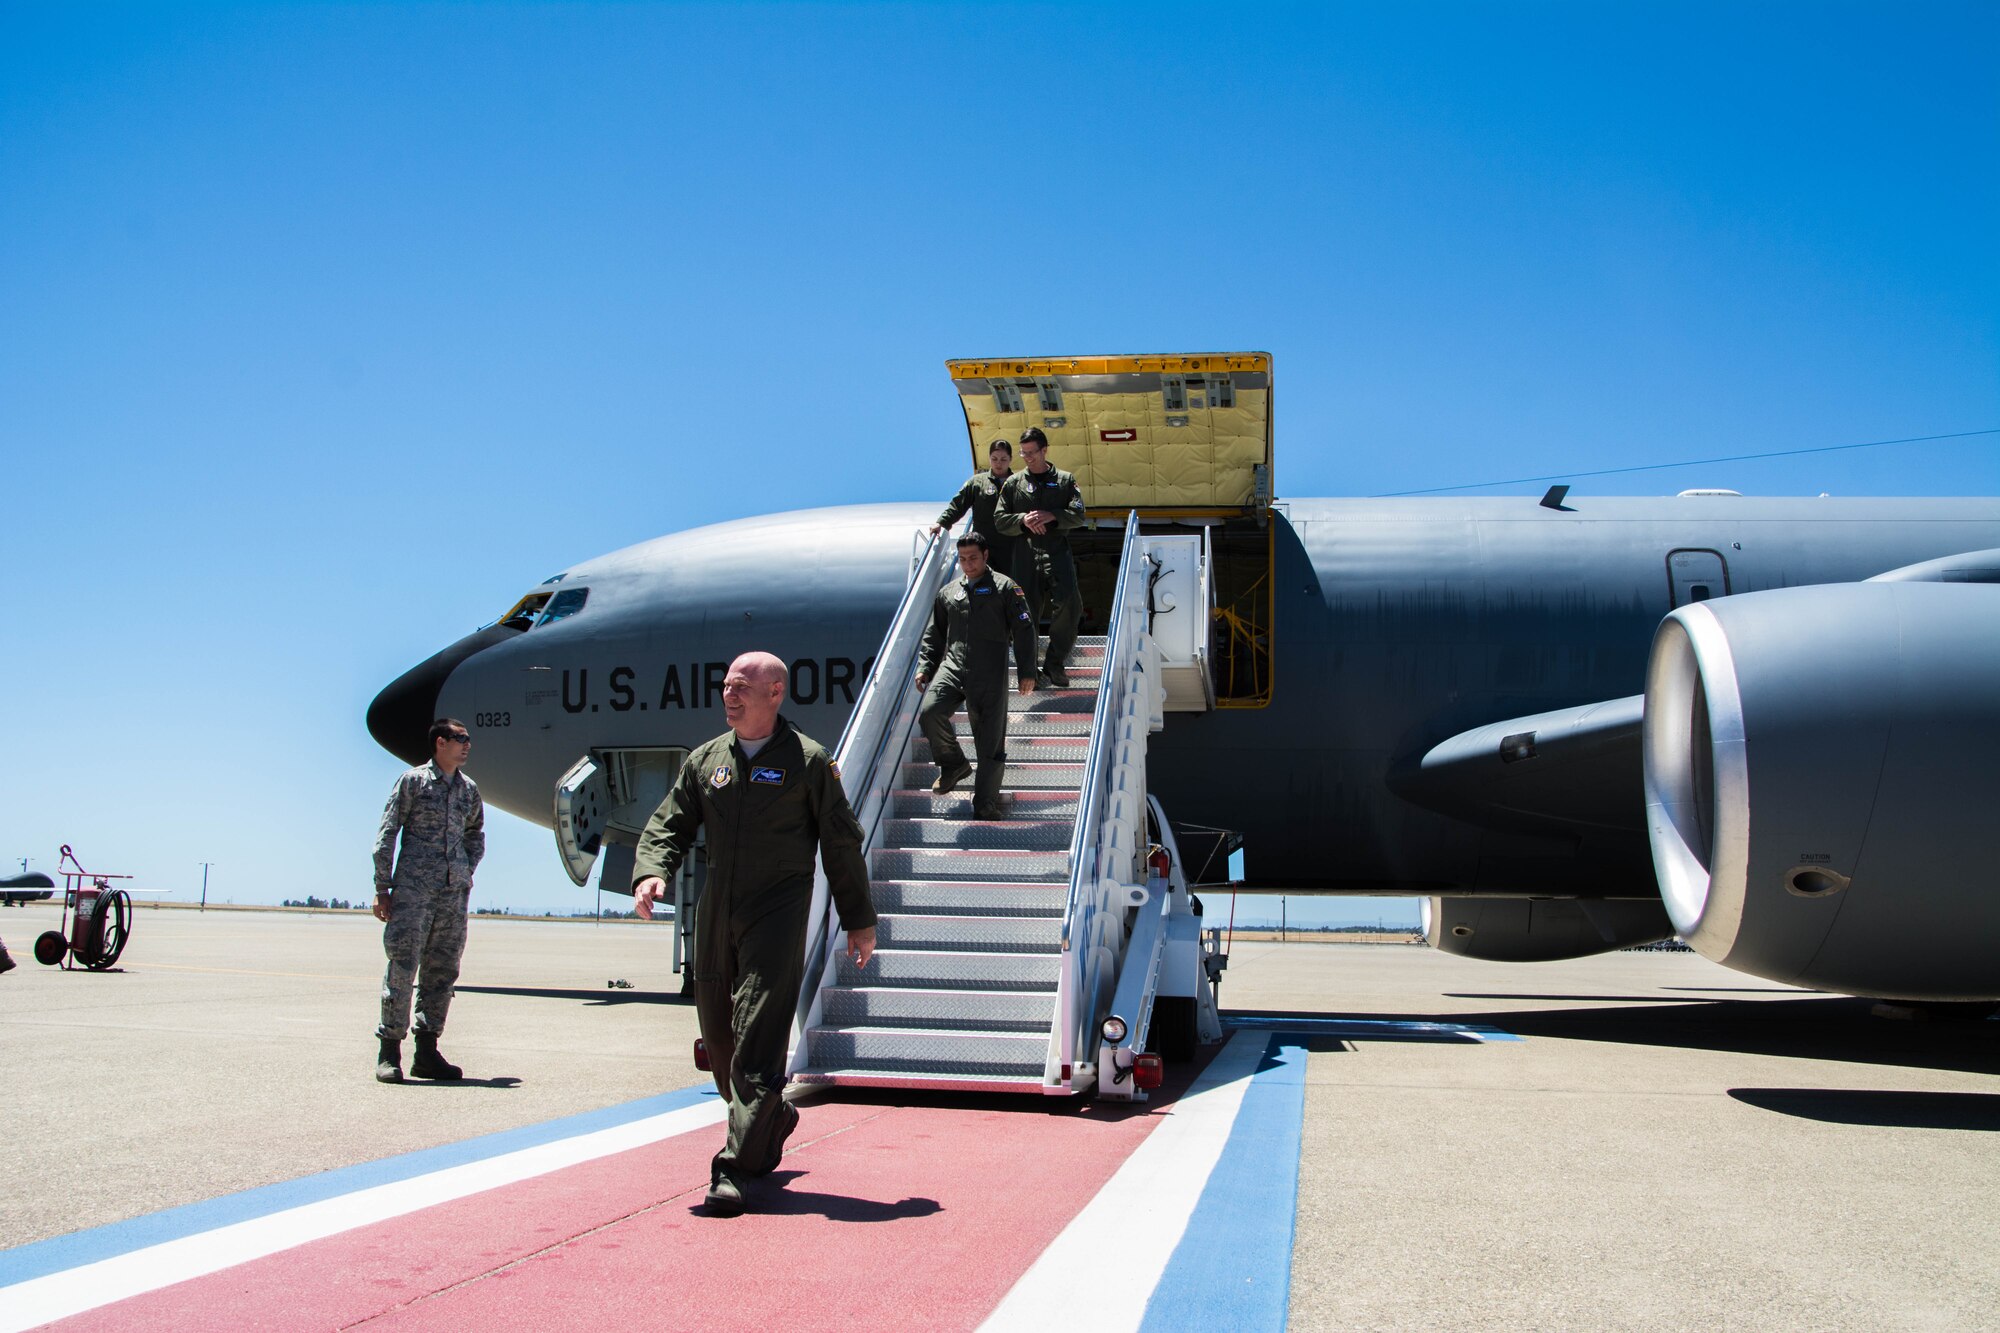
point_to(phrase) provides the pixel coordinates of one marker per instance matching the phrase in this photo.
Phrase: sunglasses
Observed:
(458, 738)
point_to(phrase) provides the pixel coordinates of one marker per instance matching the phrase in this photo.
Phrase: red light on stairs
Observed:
(701, 1055)
(1147, 1072)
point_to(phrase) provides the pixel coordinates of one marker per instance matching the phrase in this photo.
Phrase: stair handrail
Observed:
(1078, 981)
(868, 754)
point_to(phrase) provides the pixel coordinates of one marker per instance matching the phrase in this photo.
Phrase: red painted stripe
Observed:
(919, 1215)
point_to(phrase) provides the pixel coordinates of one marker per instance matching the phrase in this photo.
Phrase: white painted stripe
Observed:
(1099, 1273)
(59, 1295)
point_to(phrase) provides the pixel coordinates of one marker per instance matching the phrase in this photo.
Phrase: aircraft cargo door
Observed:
(1186, 441)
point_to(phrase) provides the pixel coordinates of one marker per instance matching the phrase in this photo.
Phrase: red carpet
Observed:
(914, 1216)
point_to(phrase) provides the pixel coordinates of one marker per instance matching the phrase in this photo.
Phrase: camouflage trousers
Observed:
(424, 939)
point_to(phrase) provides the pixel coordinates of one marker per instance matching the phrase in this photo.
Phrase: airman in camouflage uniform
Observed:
(768, 796)
(1041, 505)
(981, 495)
(437, 810)
(964, 660)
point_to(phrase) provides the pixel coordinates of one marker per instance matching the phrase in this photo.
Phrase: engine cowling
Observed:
(1536, 930)
(1822, 775)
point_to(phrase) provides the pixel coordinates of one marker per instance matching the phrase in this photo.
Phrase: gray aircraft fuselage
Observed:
(1397, 624)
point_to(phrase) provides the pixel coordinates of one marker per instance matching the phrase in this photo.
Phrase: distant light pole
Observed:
(1281, 918)
(204, 884)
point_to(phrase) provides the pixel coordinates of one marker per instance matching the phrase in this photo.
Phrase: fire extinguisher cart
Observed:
(97, 921)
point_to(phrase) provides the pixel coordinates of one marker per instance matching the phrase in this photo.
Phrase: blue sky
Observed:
(327, 331)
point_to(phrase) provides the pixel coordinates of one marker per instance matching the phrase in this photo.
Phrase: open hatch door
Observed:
(1150, 432)
(1186, 440)
(583, 801)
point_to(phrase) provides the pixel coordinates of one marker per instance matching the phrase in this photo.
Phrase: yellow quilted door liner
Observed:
(1146, 432)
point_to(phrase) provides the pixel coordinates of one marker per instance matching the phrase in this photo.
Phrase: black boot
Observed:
(389, 1063)
(429, 1064)
(725, 1196)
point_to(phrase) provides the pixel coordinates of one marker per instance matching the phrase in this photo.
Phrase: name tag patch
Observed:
(774, 777)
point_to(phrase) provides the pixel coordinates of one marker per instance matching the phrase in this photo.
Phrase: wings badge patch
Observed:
(770, 777)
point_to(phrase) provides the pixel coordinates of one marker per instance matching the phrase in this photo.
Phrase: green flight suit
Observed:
(964, 657)
(765, 814)
(981, 495)
(1043, 566)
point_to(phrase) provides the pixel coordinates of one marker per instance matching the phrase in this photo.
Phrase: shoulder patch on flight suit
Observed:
(774, 777)
(833, 768)
(720, 777)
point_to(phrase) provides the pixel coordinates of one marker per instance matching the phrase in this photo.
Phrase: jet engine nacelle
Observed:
(1822, 775)
(1529, 930)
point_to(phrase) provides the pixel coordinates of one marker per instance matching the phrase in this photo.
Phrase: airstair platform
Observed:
(1009, 951)
(962, 990)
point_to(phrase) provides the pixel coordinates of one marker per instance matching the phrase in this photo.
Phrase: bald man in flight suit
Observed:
(768, 795)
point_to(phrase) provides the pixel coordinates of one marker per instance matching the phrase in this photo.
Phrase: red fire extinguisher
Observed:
(82, 921)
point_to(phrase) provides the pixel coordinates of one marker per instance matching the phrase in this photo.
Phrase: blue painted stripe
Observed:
(42, 1258)
(1233, 1266)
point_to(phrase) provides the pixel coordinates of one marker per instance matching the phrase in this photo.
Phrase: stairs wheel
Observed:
(1173, 1033)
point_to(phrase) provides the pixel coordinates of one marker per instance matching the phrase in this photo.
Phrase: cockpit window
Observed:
(565, 603)
(523, 615)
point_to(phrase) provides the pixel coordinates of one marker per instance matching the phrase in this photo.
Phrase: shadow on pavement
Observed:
(1889, 1109)
(504, 1081)
(768, 1196)
(1831, 1027)
(1574, 999)
(592, 997)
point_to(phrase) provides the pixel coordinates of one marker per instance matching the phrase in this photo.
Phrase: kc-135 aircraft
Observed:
(1770, 726)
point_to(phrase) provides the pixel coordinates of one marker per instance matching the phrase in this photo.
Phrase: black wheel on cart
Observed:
(110, 927)
(50, 947)
(1173, 1032)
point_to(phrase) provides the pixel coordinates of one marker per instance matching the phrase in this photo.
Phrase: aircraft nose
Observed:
(401, 716)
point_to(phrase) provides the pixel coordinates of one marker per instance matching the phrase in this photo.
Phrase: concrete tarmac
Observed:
(1671, 1145)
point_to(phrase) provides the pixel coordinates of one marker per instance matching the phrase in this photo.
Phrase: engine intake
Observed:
(1822, 775)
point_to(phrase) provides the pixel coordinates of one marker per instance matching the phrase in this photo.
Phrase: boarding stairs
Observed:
(1004, 946)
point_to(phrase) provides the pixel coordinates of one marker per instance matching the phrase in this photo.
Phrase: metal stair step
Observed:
(938, 970)
(1020, 777)
(969, 934)
(872, 1078)
(991, 1011)
(1014, 834)
(1022, 749)
(949, 863)
(929, 1051)
(919, 803)
(969, 898)
(1030, 724)
(1046, 701)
